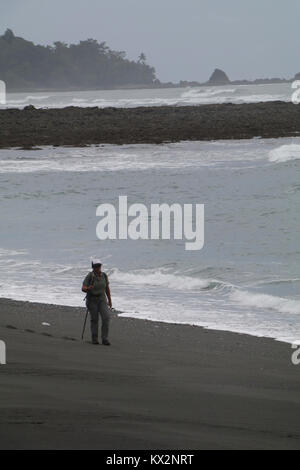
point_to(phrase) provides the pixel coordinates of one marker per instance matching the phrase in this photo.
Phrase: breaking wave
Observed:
(285, 153)
(265, 301)
(164, 279)
(28, 99)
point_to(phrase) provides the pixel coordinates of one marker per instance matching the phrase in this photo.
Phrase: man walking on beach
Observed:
(96, 286)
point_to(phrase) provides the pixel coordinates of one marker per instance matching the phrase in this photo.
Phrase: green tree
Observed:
(88, 64)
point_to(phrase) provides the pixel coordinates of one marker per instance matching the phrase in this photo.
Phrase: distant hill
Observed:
(88, 64)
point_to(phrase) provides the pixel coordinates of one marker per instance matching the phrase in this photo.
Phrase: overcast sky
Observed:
(182, 39)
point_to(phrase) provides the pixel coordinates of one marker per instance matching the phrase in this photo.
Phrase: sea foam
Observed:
(265, 301)
(160, 278)
(285, 153)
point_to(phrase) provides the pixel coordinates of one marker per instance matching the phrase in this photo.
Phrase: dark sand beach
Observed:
(77, 126)
(158, 386)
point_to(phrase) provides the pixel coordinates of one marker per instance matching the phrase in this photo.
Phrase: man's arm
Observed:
(87, 286)
(107, 291)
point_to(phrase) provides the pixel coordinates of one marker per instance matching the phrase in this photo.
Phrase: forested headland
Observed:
(86, 65)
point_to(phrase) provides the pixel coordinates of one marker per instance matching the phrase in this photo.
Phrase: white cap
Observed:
(95, 261)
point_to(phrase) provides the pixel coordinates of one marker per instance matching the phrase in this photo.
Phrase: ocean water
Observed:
(153, 97)
(245, 279)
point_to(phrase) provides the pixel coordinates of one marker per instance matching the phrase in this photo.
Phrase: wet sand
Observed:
(158, 386)
(75, 126)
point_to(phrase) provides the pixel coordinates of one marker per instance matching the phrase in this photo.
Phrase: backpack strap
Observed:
(90, 282)
(91, 279)
(106, 279)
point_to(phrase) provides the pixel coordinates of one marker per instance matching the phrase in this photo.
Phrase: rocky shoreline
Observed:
(76, 126)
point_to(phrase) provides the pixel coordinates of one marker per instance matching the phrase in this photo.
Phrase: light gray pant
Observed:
(98, 306)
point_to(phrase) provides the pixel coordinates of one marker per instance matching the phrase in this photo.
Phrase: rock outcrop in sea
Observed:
(218, 78)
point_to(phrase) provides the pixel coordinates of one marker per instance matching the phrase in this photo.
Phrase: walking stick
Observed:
(87, 311)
